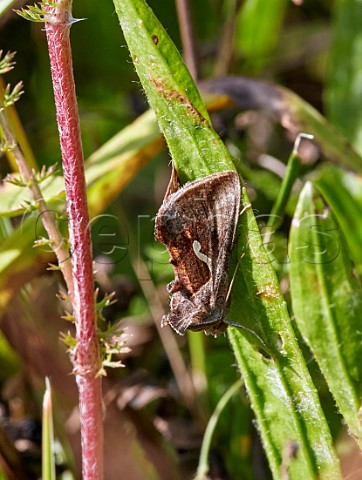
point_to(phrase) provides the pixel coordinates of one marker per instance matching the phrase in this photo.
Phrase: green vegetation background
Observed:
(312, 50)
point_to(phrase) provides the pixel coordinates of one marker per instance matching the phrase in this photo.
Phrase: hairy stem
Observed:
(87, 358)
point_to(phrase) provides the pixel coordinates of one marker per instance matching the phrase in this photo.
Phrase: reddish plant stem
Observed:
(87, 359)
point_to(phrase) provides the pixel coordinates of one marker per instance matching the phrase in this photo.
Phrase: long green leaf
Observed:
(117, 162)
(274, 370)
(108, 170)
(327, 301)
(194, 145)
(281, 391)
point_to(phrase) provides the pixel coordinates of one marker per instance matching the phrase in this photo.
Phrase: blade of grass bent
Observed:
(206, 443)
(292, 172)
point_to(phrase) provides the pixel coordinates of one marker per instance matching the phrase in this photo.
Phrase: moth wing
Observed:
(178, 226)
(224, 222)
(197, 224)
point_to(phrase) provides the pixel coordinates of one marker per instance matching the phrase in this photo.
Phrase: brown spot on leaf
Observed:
(173, 95)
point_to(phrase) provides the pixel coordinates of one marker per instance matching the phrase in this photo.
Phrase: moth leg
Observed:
(165, 321)
(249, 330)
(174, 286)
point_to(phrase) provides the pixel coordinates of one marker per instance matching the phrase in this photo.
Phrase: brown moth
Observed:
(197, 223)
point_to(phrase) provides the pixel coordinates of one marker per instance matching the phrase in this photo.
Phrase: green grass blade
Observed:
(327, 301)
(291, 174)
(108, 170)
(203, 467)
(48, 459)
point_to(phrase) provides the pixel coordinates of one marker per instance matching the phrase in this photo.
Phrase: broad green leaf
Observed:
(291, 410)
(282, 394)
(327, 301)
(344, 93)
